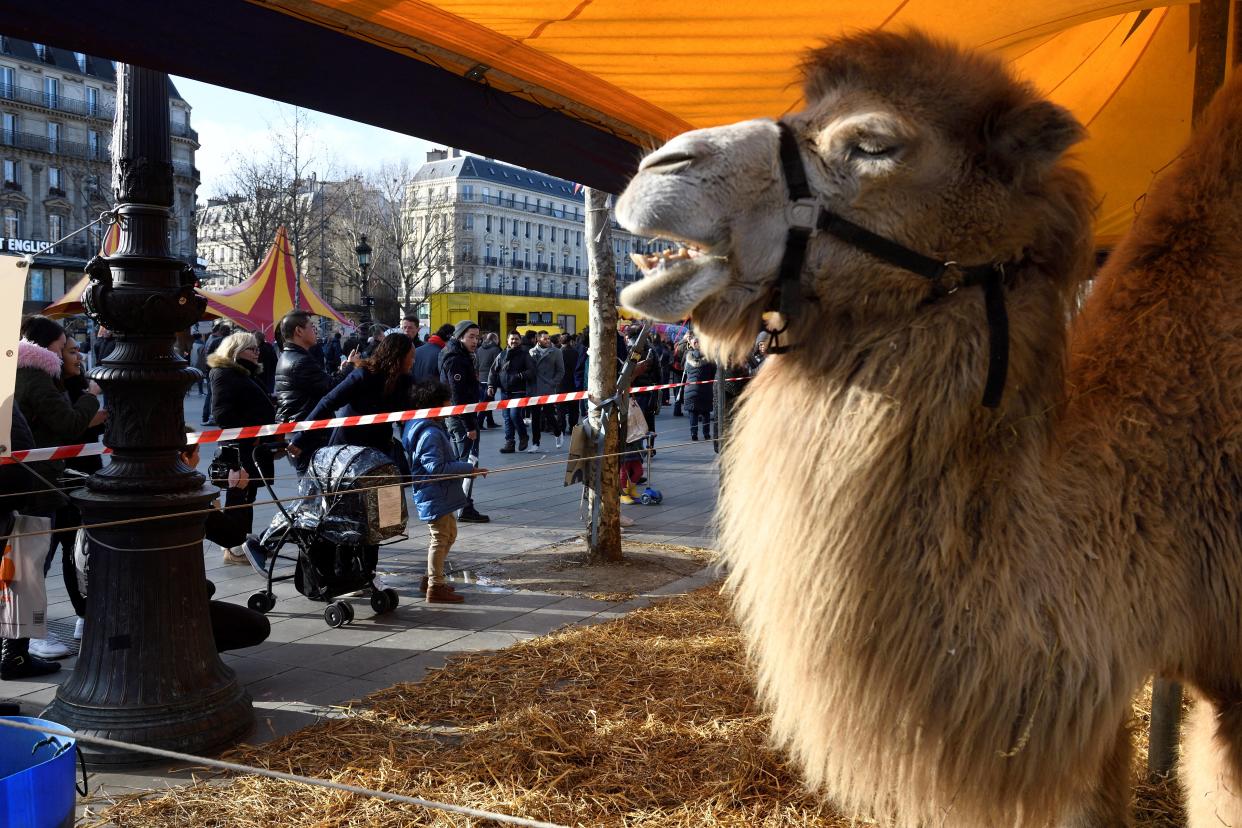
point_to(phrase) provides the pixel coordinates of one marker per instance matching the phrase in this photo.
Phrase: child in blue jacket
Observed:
(437, 480)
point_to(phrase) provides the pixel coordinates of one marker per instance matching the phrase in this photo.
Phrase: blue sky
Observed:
(230, 123)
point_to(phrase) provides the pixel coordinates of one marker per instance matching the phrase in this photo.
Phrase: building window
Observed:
(516, 224)
(92, 142)
(578, 239)
(577, 264)
(12, 223)
(528, 229)
(92, 101)
(40, 50)
(55, 227)
(526, 258)
(53, 179)
(53, 136)
(552, 235)
(10, 128)
(467, 192)
(7, 81)
(526, 283)
(540, 232)
(468, 224)
(51, 92)
(80, 59)
(487, 221)
(10, 171)
(38, 285)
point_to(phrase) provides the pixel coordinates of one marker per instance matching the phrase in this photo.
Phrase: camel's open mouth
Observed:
(652, 264)
(675, 281)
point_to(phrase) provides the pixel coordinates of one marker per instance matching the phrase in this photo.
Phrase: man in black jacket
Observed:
(457, 372)
(301, 381)
(218, 332)
(511, 374)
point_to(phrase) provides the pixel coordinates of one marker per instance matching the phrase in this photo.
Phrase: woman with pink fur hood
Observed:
(53, 421)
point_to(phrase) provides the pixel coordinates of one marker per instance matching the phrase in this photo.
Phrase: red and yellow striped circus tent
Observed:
(268, 294)
(71, 303)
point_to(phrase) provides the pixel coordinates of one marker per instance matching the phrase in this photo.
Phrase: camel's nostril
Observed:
(666, 162)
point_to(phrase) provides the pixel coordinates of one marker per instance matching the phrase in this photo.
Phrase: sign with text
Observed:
(22, 247)
(12, 289)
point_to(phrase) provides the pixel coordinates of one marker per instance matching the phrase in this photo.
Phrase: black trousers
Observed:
(543, 418)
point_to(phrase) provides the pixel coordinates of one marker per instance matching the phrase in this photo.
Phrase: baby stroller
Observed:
(338, 533)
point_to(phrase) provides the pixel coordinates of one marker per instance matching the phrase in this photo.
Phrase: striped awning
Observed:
(273, 290)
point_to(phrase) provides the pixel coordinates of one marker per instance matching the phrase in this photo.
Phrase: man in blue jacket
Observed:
(458, 374)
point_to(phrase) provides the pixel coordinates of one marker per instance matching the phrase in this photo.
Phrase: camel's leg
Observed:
(1107, 804)
(1211, 769)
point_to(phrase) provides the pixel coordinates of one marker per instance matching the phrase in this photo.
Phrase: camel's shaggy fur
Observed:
(951, 607)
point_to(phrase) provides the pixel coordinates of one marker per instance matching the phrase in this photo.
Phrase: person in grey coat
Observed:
(549, 371)
(484, 357)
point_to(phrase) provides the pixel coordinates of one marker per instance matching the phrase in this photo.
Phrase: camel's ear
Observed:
(1023, 142)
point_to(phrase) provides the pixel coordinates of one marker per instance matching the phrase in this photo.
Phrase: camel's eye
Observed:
(870, 149)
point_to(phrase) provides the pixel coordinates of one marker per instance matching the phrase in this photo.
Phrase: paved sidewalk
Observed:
(306, 667)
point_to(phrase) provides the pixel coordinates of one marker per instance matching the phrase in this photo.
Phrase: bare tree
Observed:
(265, 191)
(419, 236)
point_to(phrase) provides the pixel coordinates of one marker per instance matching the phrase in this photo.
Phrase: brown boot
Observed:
(443, 594)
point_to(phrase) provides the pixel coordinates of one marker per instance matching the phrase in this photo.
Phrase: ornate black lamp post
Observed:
(364, 261)
(148, 672)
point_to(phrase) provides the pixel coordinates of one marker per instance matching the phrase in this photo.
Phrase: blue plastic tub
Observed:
(36, 783)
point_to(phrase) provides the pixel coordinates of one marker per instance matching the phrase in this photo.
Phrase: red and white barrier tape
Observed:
(247, 432)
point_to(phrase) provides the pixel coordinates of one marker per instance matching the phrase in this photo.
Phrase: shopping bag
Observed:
(23, 597)
(635, 422)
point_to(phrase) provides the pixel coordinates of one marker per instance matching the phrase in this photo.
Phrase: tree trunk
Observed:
(602, 369)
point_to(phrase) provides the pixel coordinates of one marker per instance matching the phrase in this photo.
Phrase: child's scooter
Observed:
(649, 494)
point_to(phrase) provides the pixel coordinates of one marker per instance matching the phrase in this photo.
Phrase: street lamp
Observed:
(364, 261)
(148, 672)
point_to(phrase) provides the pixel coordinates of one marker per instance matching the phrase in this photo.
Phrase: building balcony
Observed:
(186, 170)
(55, 192)
(184, 131)
(53, 146)
(542, 268)
(491, 260)
(15, 186)
(58, 103)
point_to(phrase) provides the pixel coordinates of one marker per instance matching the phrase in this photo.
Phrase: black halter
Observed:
(807, 216)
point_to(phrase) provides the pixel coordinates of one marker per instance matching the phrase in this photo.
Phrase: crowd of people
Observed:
(247, 380)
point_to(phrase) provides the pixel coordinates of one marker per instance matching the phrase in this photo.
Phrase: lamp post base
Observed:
(148, 672)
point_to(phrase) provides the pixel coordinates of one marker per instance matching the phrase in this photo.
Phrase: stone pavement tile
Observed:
(33, 702)
(416, 640)
(251, 669)
(363, 631)
(702, 578)
(539, 622)
(361, 660)
(410, 669)
(585, 606)
(343, 695)
(293, 685)
(273, 722)
(484, 640)
(525, 600)
(470, 618)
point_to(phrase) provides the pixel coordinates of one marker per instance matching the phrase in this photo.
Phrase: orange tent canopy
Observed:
(268, 294)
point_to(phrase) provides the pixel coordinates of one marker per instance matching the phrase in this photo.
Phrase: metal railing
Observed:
(60, 103)
(185, 169)
(184, 131)
(53, 146)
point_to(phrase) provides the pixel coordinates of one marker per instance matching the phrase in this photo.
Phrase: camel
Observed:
(950, 606)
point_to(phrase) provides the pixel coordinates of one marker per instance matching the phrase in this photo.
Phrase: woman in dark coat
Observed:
(699, 398)
(40, 397)
(380, 384)
(238, 399)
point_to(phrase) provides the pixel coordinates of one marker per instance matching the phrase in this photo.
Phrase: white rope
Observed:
(286, 777)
